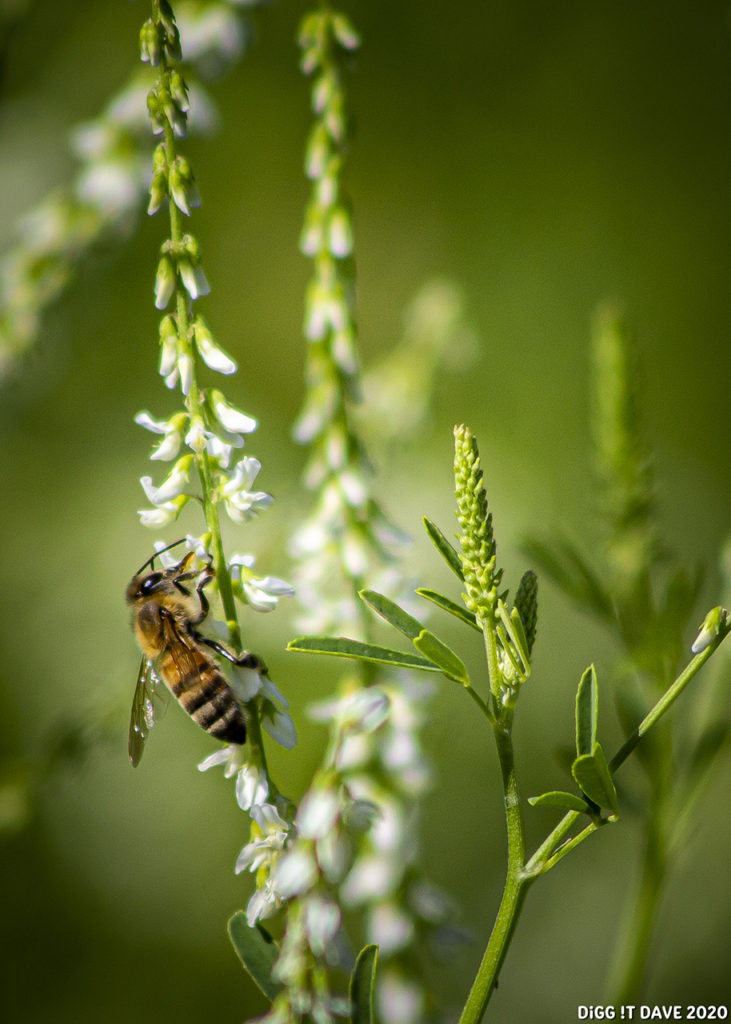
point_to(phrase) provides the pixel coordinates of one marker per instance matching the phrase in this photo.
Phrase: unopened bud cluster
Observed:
(478, 556)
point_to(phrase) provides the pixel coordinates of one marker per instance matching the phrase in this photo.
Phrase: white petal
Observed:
(144, 419)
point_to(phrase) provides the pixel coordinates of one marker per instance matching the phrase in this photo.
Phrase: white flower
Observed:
(262, 904)
(400, 1000)
(252, 786)
(321, 923)
(168, 351)
(197, 437)
(295, 872)
(264, 849)
(390, 927)
(213, 356)
(245, 682)
(361, 710)
(334, 855)
(263, 593)
(161, 516)
(231, 756)
(229, 417)
(241, 503)
(185, 369)
(280, 727)
(196, 284)
(172, 487)
(318, 812)
(372, 877)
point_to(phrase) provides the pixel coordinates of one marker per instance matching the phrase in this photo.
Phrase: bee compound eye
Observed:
(150, 583)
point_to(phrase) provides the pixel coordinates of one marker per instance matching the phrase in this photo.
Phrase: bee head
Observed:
(141, 587)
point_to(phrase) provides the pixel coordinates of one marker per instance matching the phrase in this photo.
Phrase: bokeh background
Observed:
(543, 158)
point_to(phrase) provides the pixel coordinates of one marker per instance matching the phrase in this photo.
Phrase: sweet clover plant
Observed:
(339, 915)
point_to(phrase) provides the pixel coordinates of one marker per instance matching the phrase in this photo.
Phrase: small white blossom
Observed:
(280, 727)
(252, 786)
(295, 872)
(158, 517)
(231, 756)
(318, 812)
(321, 922)
(372, 877)
(231, 418)
(264, 902)
(245, 682)
(196, 284)
(263, 850)
(213, 356)
(185, 369)
(263, 593)
(363, 710)
(400, 1000)
(390, 927)
(241, 503)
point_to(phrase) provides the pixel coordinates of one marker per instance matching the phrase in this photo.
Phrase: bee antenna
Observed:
(160, 552)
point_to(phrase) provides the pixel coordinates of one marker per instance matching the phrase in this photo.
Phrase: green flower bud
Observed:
(150, 43)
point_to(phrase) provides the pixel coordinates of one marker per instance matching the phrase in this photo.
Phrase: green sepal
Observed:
(591, 774)
(442, 656)
(444, 548)
(559, 798)
(362, 984)
(392, 613)
(257, 951)
(450, 606)
(587, 708)
(344, 647)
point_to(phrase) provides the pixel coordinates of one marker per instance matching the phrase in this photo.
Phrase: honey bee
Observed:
(166, 616)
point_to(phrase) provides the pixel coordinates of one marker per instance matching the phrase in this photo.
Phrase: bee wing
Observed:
(183, 651)
(148, 706)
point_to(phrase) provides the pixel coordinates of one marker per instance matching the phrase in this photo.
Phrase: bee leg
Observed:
(202, 599)
(244, 660)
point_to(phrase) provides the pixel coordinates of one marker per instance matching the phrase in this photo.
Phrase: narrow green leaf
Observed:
(587, 699)
(362, 983)
(592, 775)
(257, 951)
(344, 647)
(458, 610)
(442, 656)
(444, 548)
(513, 631)
(392, 613)
(559, 798)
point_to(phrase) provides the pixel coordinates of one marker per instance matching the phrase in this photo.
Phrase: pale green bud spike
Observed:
(622, 460)
(476, 538)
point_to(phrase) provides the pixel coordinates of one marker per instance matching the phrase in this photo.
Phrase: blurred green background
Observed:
(543, 157)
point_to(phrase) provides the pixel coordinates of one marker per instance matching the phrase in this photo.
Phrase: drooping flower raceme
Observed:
(354, 842)
(202, 445)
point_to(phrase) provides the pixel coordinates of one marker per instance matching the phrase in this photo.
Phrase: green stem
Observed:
(516, 886)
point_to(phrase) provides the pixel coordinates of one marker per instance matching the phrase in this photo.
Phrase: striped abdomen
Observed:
(204, 694)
